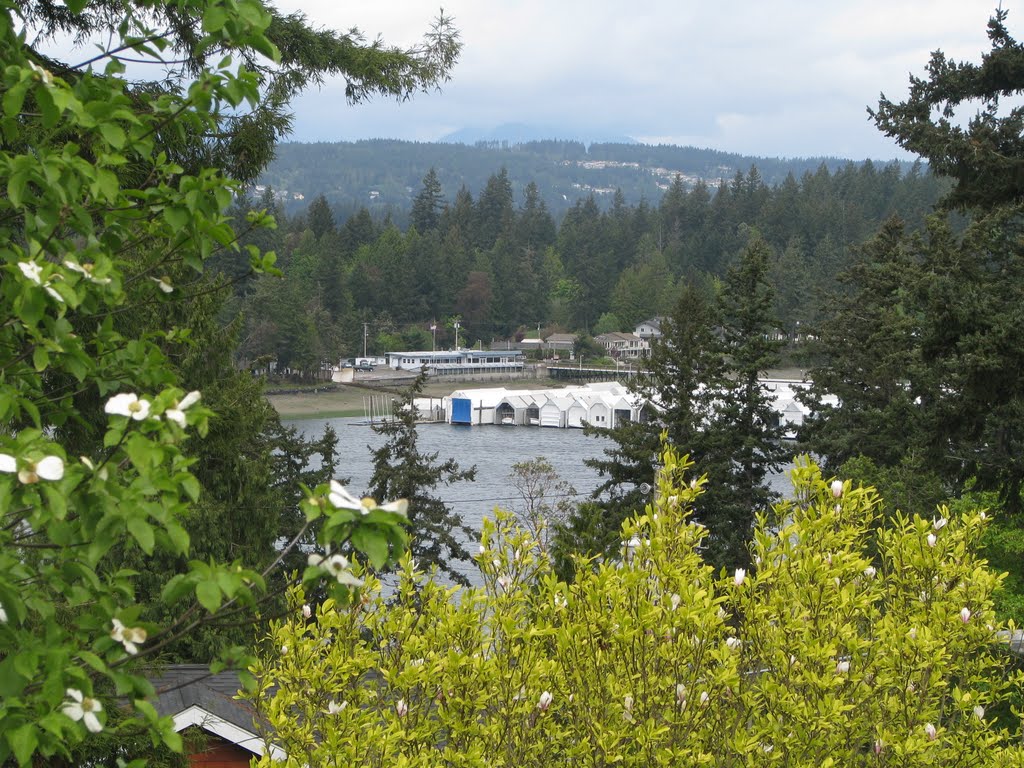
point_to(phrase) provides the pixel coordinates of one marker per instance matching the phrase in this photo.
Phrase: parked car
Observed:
(364, 365)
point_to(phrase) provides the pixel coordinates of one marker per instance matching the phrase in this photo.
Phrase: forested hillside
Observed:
(384, 175)
(500, 263)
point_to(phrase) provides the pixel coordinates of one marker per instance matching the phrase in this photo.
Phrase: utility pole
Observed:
(433, 337)
(366, 331)
(457, 326)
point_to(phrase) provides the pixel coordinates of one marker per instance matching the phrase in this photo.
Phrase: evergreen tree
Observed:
(402, 470)
(871, 343)
(744, 438)
(428, 205)
(984, 157)
(320, 218)
(679, 381)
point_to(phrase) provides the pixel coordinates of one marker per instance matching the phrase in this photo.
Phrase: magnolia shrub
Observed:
(845, 644)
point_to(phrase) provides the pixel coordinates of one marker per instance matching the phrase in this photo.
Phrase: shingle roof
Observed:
(181, 686)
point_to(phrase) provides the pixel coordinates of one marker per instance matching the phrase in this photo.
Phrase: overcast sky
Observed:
(761, 77)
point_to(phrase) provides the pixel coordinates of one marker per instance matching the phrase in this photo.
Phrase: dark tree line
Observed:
(500, 264)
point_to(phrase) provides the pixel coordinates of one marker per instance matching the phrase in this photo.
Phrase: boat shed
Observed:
(474, 406)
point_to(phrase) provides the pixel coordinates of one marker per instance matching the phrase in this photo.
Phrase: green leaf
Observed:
(175, 589)
(114, 135)
(372, 543)
(15, 98)
(178, 536)
(40, 358)
(208, 594)
(142, 531)
(23, 742)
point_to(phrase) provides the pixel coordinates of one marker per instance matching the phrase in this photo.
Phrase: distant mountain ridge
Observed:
(384, 175)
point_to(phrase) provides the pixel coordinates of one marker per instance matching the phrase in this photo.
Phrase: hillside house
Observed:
(624, 346)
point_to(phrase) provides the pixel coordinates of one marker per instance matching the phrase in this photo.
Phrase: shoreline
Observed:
(347, 400)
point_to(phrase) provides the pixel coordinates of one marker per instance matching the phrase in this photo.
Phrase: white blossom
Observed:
(545, 701)
(939, 524)
(32, 271)
(84, 708)
(86, 269)
(879, 746)
(930, 732)
(870, 571)
(681, 694)
(739, 576)
(164, 283)
(704, 698)
(965, 614)
(3, 615)
(335, 708)
(129, 637)
(177, 412)
(47, 468)
(733, 642)
(842, 667)
(340, 498)
(128, 404)
(307, 611)
(674, 601)
(337, 565)
(44, 75)
(931, 540)
(837, 488)
(979, 712)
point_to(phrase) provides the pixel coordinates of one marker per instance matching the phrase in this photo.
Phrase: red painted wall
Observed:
(220, 754)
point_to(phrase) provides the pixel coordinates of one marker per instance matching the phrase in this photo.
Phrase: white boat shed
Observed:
(601, 404)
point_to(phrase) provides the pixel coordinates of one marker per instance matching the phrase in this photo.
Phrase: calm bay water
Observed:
(492, 449)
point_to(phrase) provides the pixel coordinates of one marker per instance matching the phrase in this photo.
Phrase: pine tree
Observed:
(744, 439)
(402, 470)
(984, 157)
(428, 205)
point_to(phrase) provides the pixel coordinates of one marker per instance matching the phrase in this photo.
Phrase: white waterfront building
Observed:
(601, 404)
(458, 361)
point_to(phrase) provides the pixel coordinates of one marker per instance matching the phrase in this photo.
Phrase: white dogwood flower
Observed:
(129, 637)
(164, 283)
(177, 412)
(127, 404)
(338, 566)
(32, 271)
(86, 270)
(84, 708)
(47, 468)
(340, 498)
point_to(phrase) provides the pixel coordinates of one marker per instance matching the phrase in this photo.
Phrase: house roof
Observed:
(193, 696)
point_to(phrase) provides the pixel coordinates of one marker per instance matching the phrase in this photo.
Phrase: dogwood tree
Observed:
(100, 215)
